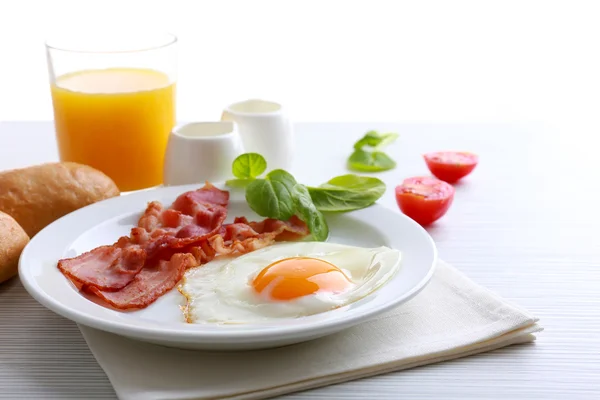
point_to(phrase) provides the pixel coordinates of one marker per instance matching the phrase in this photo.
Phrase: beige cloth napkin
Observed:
(452, 317)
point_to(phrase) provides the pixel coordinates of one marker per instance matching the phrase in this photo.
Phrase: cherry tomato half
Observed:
(450, 166)
(424, 199)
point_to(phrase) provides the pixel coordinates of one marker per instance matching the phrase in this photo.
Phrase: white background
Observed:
(431, 61)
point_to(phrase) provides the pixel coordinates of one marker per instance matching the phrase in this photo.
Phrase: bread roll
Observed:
(12, 240)
(38, 195)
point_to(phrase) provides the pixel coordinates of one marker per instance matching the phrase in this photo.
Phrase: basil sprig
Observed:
(279, 196)
(368, 155)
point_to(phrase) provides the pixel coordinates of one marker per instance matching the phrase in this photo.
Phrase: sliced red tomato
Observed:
(424, 199)
(450, 166)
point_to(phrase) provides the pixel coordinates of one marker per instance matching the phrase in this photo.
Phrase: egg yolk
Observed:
(295, 277)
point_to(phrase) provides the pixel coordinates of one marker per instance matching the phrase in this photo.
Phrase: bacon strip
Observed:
(203, 253)
(243, 236)
(106, 267)
(151, 283)
(113, 267)
(150, 220)
(141, 267)
(193, 217)
(188, 202)
(208, 223)
(292, 229)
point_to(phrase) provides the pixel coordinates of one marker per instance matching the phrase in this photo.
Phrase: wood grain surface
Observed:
(524, 224)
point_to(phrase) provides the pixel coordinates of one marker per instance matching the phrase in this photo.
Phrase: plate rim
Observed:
(341, 322)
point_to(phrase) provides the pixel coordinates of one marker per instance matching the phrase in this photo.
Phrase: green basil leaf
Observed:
(347, 193)
(356, 183)
(386, 139)
(375, 140)
(368, 155)
(249, 166)
(370, 138)
(370, 161)
(283, 177)
(272, 197)
(308, 213)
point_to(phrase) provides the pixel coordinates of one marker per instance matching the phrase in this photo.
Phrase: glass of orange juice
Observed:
(114, 103)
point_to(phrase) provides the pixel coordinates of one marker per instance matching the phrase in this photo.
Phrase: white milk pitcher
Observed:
(264, 128)
(201, 151)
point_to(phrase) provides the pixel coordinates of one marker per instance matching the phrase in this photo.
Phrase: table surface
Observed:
(523, 224)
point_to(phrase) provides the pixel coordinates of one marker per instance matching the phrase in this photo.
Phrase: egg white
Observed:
(221, 292)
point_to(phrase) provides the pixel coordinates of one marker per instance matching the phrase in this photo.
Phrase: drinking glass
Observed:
(114, 102)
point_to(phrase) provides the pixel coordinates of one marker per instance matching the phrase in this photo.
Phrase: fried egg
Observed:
(286, 280)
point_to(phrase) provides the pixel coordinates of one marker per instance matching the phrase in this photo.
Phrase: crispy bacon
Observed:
(189, 202)
(151, 220)
(237, 231)
(292, 229)
(243, 236)
(151, 283)
(209, 222)
(167, 221)
(193, 217)
(191, 208)
(203, 253)
(240, 246)
(141, 267)
(106, 267)
(137, 236)
(175, 219)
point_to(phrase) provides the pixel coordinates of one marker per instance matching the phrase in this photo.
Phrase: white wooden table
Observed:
(526, 224)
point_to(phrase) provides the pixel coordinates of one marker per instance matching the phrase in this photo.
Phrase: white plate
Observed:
(162, 322)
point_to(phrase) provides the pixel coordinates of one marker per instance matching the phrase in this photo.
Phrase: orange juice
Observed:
(116, 120)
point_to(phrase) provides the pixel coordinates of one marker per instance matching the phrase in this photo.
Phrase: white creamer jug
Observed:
(201, 151)
(264, 128)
